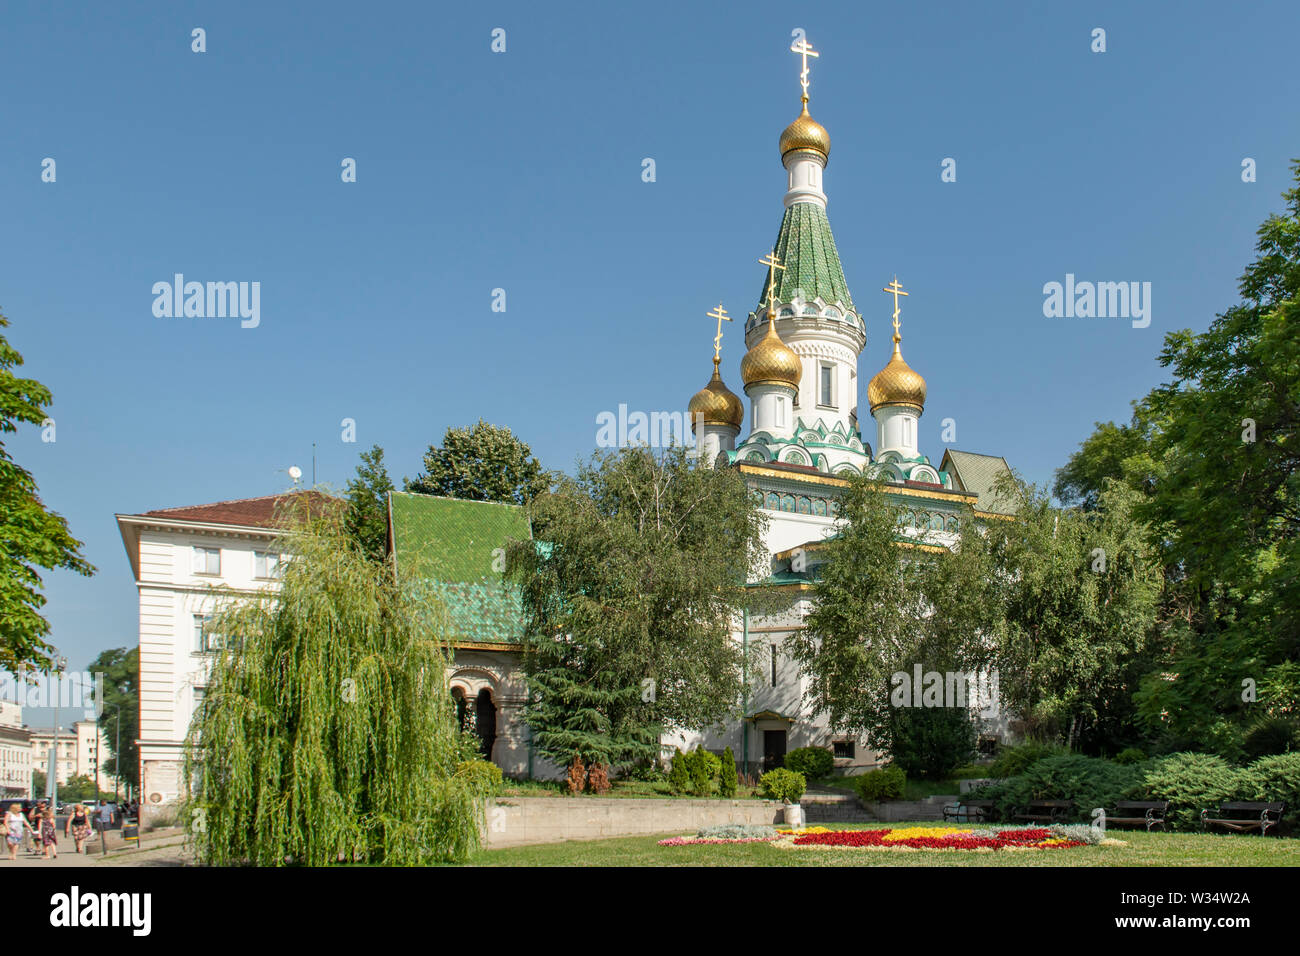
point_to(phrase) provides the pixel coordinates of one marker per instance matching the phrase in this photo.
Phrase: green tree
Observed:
(366, 520)
(77, 788)
(481, 463)
(629, 598)
(1219, 445)
(333, 736)
(120, 717)
(1077, 592)
(883, 604)
(31, 536)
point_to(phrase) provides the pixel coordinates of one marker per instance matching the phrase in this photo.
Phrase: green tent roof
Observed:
(453, 547)
(806, 248)
(979, 474)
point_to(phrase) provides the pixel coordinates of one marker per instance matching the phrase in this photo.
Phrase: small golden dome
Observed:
(806, 133)
(716, 404)
(771, 361)
(897, 384)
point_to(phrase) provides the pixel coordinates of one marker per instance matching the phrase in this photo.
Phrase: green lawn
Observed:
(1160, 849)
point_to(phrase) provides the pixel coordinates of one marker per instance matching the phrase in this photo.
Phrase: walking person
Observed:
(78, 826)
(34, 814)
(49, 835)
(16, 826)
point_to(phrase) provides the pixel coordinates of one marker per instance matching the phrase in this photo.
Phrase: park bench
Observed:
(968, 811)
(1047, 811)
(1133, 813)
(1243, 816)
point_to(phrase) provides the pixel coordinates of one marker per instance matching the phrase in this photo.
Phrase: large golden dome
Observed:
(771, 362)
(806, 133)
(896, 384)
(716, 404)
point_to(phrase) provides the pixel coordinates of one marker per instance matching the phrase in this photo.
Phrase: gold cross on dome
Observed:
(721, 315)
(773, 263)
(895, 290)
(805, 50)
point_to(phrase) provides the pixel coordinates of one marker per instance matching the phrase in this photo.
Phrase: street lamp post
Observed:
(60, 663)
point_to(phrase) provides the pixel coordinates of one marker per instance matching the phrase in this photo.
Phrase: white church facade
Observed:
(804, 342)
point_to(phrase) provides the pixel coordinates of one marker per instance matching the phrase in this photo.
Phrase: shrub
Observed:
(812, 762)
(483, 775)
(679, 777)
(887, 783)
(1272, 735)
(1089, 781)
(728, 778)
(930, 741)
(1191, 782)
(736, 831)
(781, 784)
(576, 778)
(704, 768)
(598, 779)
(1082, 832)
(1130, 755)
(1013, 761)
(1272, 779)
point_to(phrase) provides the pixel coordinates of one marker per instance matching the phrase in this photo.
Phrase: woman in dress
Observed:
(78, 826)
(15, 825)
(49, 835)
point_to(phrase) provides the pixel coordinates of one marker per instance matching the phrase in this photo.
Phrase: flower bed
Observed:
(938, 838)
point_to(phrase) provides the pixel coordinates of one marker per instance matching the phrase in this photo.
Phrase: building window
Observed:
(207, 560)
(266, 564)
(773, 665)
(827, 386)
(845, 749)
(204, 639)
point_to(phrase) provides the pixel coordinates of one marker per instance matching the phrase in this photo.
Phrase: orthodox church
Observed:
(800, 374)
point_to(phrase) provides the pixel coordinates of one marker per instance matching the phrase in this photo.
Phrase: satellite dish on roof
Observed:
(295, 473)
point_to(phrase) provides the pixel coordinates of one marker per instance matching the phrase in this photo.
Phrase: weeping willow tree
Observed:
(326, 732)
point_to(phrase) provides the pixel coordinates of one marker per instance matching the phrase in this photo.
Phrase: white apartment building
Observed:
(15, 752)
(81, 752)
(180, 558)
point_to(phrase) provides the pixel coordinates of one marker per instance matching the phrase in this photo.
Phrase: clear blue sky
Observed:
(522, 171)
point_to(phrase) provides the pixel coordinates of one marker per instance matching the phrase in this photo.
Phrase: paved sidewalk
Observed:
(161, 848)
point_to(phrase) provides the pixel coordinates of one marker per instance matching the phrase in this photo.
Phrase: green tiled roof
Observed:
(806, 248)
(449, 545)
(979, 474)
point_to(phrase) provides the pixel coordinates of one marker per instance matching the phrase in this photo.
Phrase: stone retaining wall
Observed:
(517, 821)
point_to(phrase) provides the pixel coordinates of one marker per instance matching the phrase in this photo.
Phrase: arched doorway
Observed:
(485, 724)
(462, 707)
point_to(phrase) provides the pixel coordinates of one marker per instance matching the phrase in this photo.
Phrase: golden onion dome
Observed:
(806, 133)
(771, 361)
(896, 384)
(715, 404)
